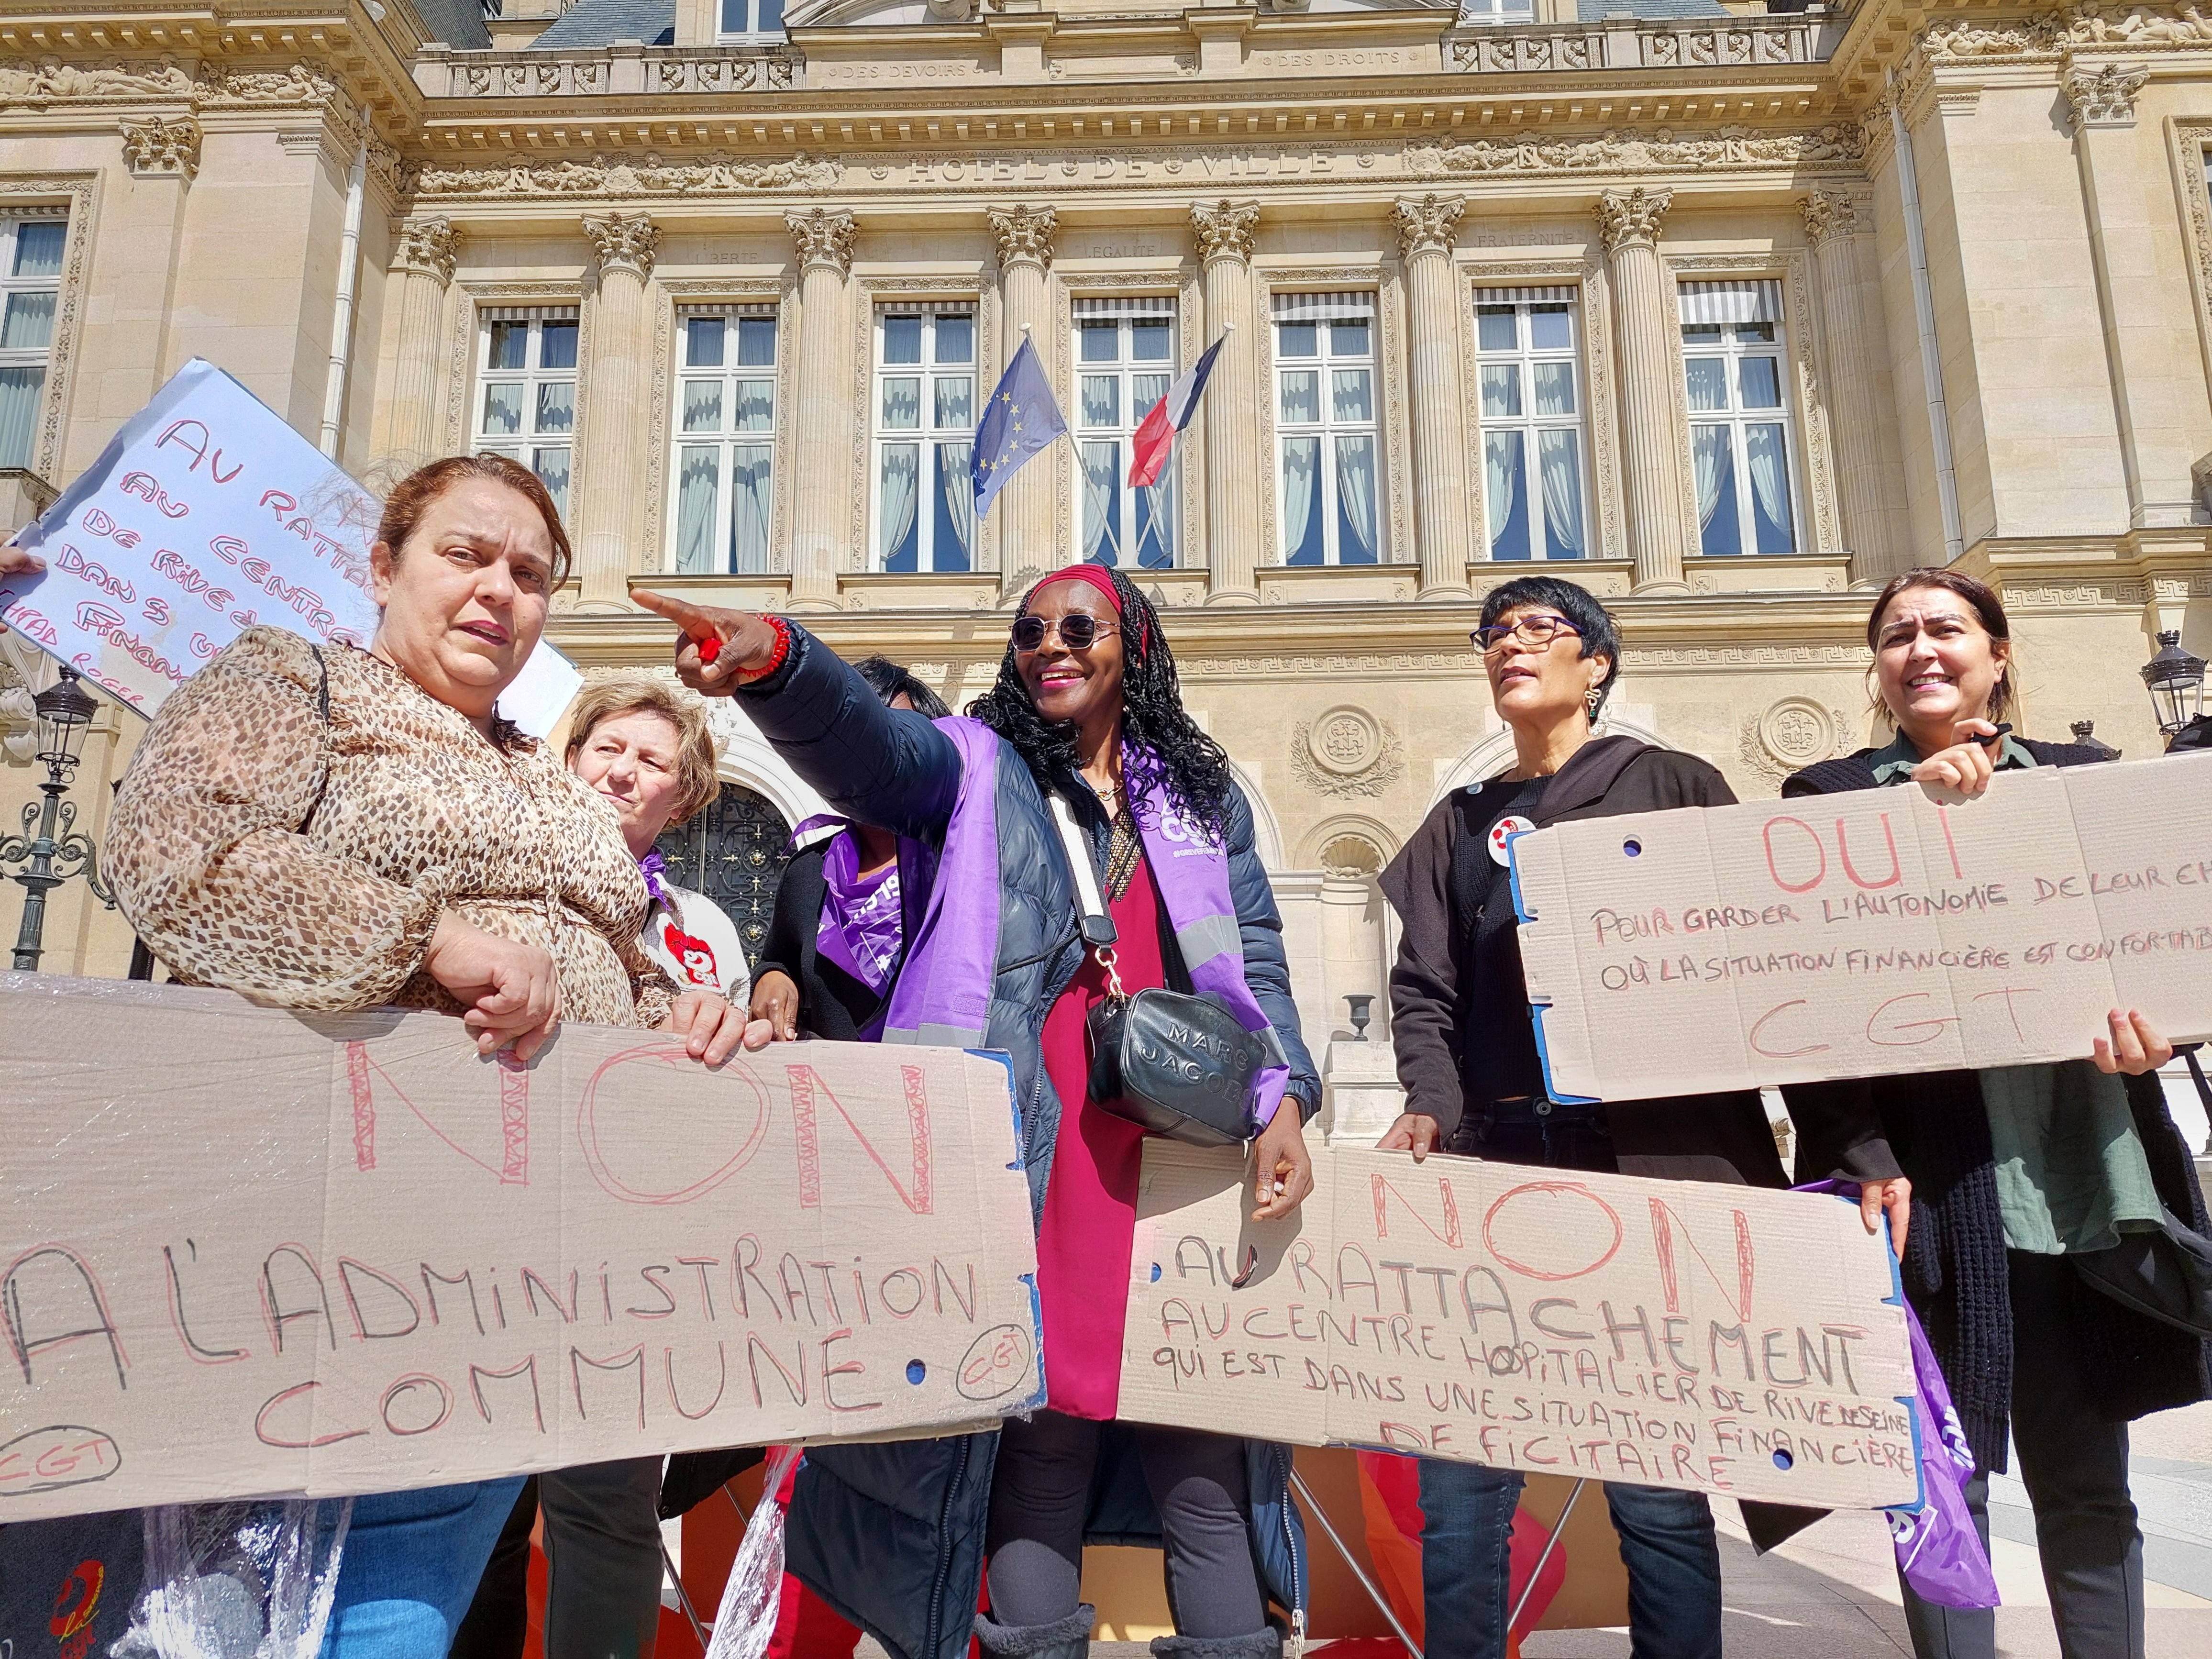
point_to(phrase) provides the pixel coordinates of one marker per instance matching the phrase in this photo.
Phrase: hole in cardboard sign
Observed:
(916, 1370)
(1156, 1273)
(1783, 1460)
(1632, 846)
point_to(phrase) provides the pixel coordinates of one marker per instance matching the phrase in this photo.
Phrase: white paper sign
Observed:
(206, 515)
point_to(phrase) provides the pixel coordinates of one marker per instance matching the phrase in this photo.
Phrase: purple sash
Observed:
(942, 996)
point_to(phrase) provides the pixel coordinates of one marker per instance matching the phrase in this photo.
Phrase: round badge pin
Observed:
(1502, 831)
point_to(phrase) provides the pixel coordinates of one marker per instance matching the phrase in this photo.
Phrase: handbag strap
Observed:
(1098, 930)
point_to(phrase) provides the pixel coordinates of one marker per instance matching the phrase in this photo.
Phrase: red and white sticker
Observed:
(1503, 830)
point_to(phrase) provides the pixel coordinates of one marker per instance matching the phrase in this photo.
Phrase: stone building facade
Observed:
(1728, 315)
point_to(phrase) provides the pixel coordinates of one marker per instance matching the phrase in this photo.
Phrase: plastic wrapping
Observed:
(237, 1581)
(1939, 1553)
(746, 1619)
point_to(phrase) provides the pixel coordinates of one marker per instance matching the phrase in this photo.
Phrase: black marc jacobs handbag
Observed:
(1180, 1066)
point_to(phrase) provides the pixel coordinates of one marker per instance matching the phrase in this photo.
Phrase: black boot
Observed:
(1063, 1638)
(1266, 1643)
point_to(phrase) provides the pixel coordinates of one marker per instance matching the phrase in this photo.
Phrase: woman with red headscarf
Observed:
(1086, 711)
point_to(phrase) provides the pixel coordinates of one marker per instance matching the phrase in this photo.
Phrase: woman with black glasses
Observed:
(1474, 1083)
(1087, 714)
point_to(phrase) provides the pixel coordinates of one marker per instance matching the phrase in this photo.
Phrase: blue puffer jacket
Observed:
(891, 1536)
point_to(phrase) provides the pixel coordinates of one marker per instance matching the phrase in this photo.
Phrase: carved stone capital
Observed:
(1828, 213)
(1227, 230)
(1630, 218)
(1429, 225)
(428, 246)
(156, 147)
(624, 241)
(2104, 97)
(824, 237)
(1024, 235)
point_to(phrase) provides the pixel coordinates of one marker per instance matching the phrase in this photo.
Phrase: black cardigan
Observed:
(1934, 1128)
(832, 1004)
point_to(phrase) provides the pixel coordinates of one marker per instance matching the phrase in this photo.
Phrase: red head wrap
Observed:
(1092, 576)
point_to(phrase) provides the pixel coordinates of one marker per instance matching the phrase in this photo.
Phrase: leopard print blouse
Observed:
(303, 861)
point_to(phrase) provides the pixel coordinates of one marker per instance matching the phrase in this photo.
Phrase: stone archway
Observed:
(1492, 753)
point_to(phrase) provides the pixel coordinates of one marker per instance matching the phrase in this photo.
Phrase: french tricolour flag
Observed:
(1154, 438)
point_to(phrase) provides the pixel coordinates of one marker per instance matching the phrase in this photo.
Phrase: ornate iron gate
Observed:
(734, 852)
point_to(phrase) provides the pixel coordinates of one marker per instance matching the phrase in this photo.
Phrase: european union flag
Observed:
(1020, 420)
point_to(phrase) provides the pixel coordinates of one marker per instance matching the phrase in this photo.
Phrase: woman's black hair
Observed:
(889, 679)
(1191, 768)
(1600, 634)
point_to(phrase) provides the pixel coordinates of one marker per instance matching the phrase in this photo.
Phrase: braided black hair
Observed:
(1156, 733)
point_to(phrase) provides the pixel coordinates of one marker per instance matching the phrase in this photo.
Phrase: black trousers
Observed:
(2074, 1465)
(1040, 1491)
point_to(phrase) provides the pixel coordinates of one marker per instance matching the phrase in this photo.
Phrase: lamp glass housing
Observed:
(2176, 682)
(65, 711)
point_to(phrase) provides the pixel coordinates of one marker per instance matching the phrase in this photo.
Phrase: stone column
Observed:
(1836, 228)
(1226, 233)
(1426, 230)
(822, 441)
(611, 457)
(1026, 508)
(424, 258)
(1628, 224)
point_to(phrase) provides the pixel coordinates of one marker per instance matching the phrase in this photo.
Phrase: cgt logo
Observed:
(75, 1607)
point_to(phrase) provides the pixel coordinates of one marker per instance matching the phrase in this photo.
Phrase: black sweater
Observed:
(832, 1004)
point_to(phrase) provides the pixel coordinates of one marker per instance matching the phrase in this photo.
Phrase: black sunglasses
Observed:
(1077, 631)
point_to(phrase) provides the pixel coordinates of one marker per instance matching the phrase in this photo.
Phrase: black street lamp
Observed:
(2176, 681)
(48, 860)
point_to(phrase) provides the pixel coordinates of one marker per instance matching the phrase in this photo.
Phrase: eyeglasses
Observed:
(1078, 632)
(1538, 631)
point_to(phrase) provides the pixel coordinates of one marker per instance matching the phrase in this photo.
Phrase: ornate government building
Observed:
(1728, 315)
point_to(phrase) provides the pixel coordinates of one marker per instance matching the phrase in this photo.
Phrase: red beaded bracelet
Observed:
(746, 676)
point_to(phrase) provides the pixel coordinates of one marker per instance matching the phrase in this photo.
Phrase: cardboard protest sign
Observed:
(1877, 932)
(1673, 1333)
(247, 1252)
(205, 515)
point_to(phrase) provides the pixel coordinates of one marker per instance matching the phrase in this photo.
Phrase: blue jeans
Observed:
(411, 1563)
(1666, 1542)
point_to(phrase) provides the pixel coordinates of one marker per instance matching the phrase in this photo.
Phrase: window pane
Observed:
(1701, 334)
(18, 413)
(1559, 484)
(1496, 328)
(771, 16)
(756, 405)
(756, 342)
(748, 503)
(30, 321)
(502, 413)
(1151, 340)
(1301, 395)
(702, 405)
(510, 345)
(1708, 382)
(1145, 391)
(39, 247)
(551, 465)
(1356, 540)
(1759, 333)
(956, 338)
(1351, 394)
(1348, 339)
(1764, 460)
(1102, 502)
(702, 343)
(1712, 460)
(1101, 400)
(1099, 340)
(736, 16)
(1505, 495)
(1501, 389)
(1551, 328)
(898, 535)
(557, 406)
(1758, 382)
(1304, 532)
(902, 339)
(1297, 340)
(1155, 508)
(902, 404)
(956, 507)
(1554, 386)
(696, 469)
(556, 345)
(956, 401)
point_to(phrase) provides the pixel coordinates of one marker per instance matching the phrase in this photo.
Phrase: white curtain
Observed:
(749, 498)
(1100, 394)
(702, 405)
(695, 485)
(18, 413)
(1501, 478)
(1709, 453)
(29, 321)
(1102, 469)
(1770, 479)
(901, 406)
(1301, 489)
(898, 498)
(1355, 498)
(1555, 388)
(1559, 471)
(954, 462)
(756, 405)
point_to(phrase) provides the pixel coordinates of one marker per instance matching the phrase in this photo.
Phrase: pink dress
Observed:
(1091, 1206)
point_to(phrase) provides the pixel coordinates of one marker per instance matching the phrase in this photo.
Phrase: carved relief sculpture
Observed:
(1429, 225)
(1630, 218)
(158, 147)
(1828, 213)
(54, 81)
(824, 237)
(621, 177)
(1625, 149)
(1226, 230)
(1023, 236)
(624, 241)
(430, 246)
(2104, 97)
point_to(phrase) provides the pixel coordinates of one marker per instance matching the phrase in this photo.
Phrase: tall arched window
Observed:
(734, 852)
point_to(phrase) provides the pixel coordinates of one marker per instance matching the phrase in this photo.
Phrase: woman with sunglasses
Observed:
(1087, 711)
(1474, 1083)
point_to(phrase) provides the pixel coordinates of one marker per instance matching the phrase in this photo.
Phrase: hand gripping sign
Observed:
(1860, 934)
(204, 516)
(1677, 1333)
(245, 1252)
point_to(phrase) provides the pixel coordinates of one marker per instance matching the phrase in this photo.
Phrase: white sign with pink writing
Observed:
(205, 516)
